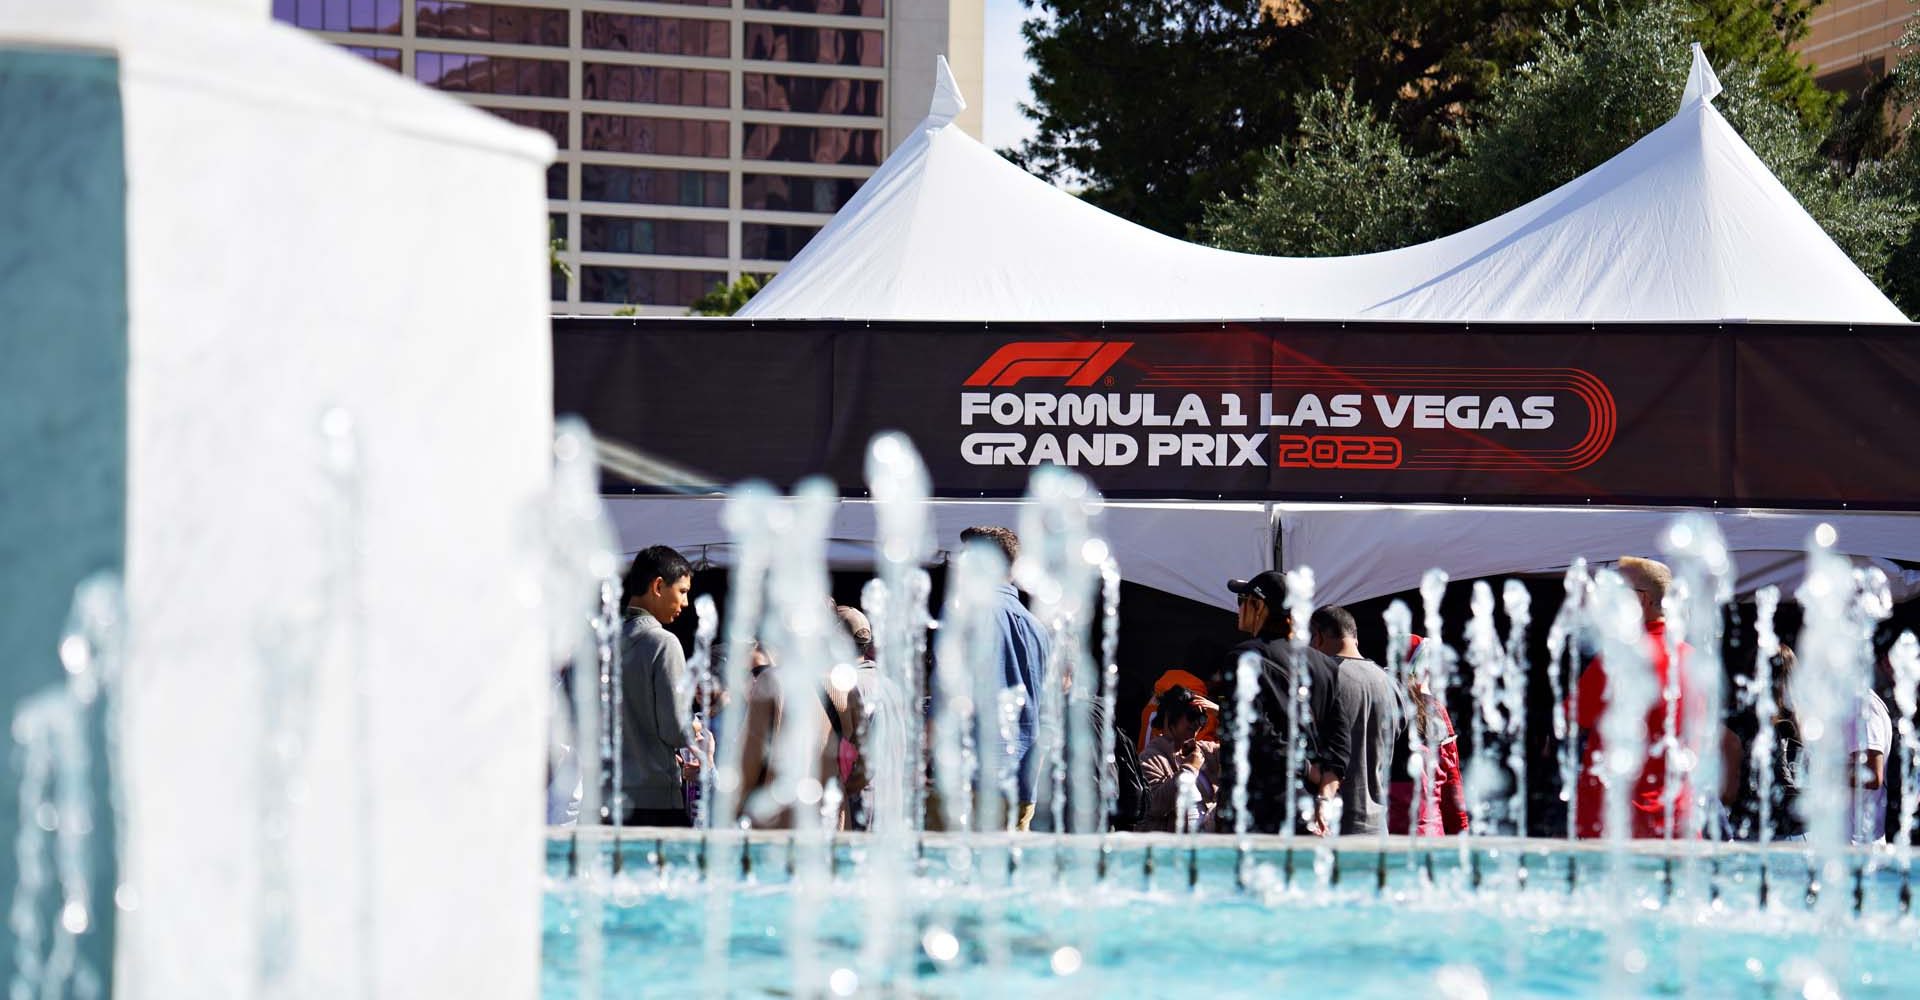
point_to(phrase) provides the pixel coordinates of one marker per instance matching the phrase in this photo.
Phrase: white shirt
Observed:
(1872, 730)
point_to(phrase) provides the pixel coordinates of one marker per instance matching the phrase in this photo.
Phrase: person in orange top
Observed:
(1647, 799)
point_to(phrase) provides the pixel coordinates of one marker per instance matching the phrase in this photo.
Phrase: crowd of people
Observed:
(1337, 743)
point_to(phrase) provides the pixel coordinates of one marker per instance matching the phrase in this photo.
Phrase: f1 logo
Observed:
(1081, 363)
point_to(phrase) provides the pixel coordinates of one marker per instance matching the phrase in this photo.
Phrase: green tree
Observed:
(726, 299)
(1603, 80)
(1761, 34)
(1345, 184)
(1600, 81)
(1160, 106)
(556, 246)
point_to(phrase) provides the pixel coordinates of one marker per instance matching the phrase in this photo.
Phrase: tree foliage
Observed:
(1156, 108)
(1600, 80)
(726, 299)
(1761, 34)
(1345, 185)
(1159, 106)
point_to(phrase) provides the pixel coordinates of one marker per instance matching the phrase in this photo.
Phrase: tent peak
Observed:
(947, 102)
(1702, 85)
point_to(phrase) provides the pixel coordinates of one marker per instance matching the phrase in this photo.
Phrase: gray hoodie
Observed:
(653, 678)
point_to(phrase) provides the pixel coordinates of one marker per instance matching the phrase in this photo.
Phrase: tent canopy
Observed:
(1357, 551)
(1185, 549)
(1362, 551)
(1686, 224)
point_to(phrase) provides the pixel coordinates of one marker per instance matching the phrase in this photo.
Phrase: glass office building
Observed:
(699, 139)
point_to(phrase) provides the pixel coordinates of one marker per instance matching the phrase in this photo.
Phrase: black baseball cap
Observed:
(1269, 586)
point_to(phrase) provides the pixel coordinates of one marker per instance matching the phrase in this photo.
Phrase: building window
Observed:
(760, 241)
(675, 237)
(477, 74)
(673, 36)
(854, 8)
(815, 95)
(390, 58)
(646, 286)
(780, 193)
(378, 17)
(664, 136)
(810, 144)
(557, 184)
(652, 186)
(488, 22)
(836, 46)
(553, 123)
(703, 88)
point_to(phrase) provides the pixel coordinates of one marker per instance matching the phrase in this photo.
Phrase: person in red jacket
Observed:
(1648, 798)
(1443, 806)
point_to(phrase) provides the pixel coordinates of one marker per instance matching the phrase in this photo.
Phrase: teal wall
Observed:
(63, 389)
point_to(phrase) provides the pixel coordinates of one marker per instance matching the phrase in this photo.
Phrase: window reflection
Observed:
(485, 22)
(781, 193)
(762, 241)
(837, 46)
(704, 88)
(810, 144)
(665, 136)
(678, 237)
(652, 186)
(477, 74)
(857, 8)
(817, 95)
(553, 123)
(645, 286)
(678, 36)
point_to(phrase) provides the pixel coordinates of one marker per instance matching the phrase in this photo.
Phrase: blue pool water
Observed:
(1178, 922)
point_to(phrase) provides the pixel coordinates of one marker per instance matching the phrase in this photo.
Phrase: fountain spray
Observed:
(1513, 697)
(1631, 692)
(1300, 799)
(1420, 759)
(1904, 657)
(1563, 654)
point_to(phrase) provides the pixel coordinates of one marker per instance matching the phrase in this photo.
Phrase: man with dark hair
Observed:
(1272, 774)
(1367, 711)
(1021, 647)
(653, 677)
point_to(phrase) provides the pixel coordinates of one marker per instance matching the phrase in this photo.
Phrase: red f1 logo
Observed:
(1081, 363)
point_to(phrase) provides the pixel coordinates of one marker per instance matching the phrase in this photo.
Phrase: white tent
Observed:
(1186, 549)
(1686, 224)
(1357, 551)
(1360, 551)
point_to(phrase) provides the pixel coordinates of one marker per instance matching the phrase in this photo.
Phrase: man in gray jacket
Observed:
(653, 674)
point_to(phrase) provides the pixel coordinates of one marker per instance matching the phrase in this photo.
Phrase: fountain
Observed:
(953, 898)
(938, 900)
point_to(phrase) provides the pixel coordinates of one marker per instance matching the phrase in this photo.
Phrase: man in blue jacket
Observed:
(1021, 648)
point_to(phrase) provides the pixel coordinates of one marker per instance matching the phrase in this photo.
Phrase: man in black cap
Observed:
(1272, 775)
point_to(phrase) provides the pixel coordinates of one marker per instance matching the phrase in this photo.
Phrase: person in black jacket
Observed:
(1273, 774)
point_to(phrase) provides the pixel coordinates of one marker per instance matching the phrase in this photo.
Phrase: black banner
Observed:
(1739, 414)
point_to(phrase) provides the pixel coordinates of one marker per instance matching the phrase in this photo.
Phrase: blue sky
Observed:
(1006, 76)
